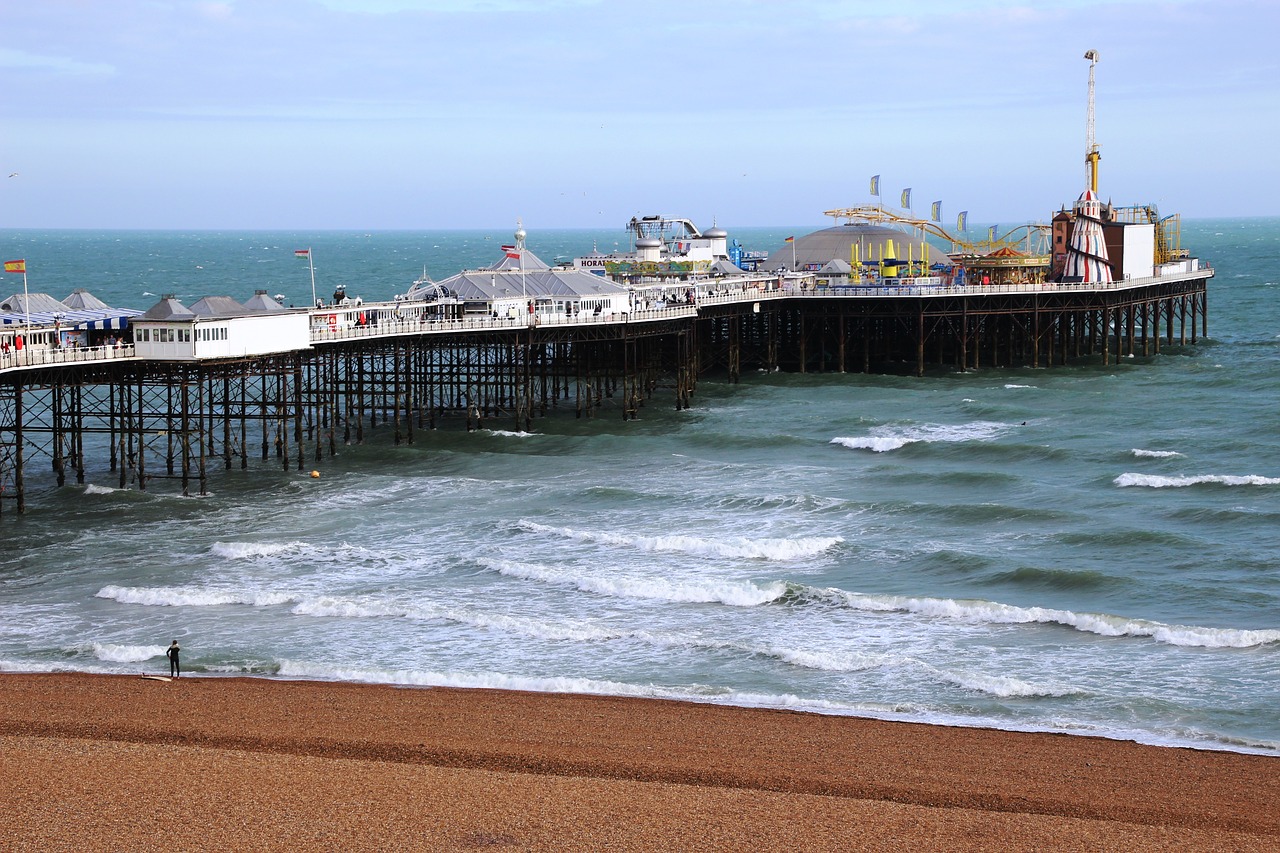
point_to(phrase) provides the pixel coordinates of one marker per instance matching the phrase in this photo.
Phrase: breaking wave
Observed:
(126, 654)
(1154, 481)
(248, 550)
(739, 547)
(1001, 686)
(190, 596)
(883, 439)
(732, 593)
(1103, 624)
(1156, 454)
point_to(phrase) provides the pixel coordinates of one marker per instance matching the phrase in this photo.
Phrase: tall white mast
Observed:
(1091, 155)
(524, 298)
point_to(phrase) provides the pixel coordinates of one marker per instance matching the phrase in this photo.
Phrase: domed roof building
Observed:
(857, 243)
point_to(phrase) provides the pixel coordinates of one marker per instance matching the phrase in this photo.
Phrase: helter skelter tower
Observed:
(1087, 259)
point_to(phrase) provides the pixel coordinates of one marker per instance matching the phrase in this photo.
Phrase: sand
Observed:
(91, 762)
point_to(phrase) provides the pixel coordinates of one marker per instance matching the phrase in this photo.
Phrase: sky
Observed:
(425, 114)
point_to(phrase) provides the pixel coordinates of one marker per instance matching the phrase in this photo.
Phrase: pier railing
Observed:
(709, 293)
(38, 356)
(480, 323)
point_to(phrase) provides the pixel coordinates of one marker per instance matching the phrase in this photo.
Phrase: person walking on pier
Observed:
(175, 670)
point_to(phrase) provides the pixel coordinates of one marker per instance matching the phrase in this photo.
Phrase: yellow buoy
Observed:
(315, 475)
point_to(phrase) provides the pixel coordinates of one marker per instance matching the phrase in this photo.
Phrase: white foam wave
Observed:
(732, 593)
(510, 433)
(190, 596)
(126, 654)
(1156, 454)
(1011, 385)
(91, 489)
(247, 550)
(354, 608)
(1154, 481)
(829, 661)
(491, 680)
(1002, 686)
(882, 439)
(574, 684)
(1094, 623)
(373, 608)
(33, 666)
(739, 548)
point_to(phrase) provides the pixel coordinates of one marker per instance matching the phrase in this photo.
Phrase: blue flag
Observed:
(875, 185)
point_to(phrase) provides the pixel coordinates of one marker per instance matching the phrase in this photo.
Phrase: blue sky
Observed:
(395, 114)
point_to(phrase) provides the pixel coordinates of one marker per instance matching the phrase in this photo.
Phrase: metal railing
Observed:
(479, 323)
(39, 356)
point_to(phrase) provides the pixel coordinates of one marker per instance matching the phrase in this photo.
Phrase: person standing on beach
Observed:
(172, 652)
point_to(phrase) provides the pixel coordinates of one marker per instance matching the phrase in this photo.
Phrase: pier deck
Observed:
(149, 420)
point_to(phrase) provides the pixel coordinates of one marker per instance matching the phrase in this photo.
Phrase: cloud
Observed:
(21, 60)
(215, 11)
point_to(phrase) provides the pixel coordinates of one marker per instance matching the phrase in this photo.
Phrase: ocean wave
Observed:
(510, 433)
(883, 439)
(373, 608)
(581, 685)
(790, 503)
(1011, 386)
(126, 654)
(973, 610)
(490, 680)
(1157, 482)
(1001, 686)
(189, 596)
(1156, 454)
(739, 548)
(248, 550)
(1056, 578)
(732, 593)
(827, 661)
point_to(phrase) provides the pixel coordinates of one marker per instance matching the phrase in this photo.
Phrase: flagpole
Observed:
(26, 303)
(311, 262)
(524, 297)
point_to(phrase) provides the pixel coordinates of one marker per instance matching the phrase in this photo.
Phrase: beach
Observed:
(95, 762)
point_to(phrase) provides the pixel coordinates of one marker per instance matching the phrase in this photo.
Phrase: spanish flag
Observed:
(15, 266)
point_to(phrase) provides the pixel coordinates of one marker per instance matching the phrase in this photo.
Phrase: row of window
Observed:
(181, 335)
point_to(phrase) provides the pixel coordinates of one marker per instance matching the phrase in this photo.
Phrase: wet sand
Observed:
(124, 763)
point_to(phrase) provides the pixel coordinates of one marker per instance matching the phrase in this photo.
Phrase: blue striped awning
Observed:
(114, 318)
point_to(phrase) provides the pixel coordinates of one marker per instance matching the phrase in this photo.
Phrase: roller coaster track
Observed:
(1033, 238)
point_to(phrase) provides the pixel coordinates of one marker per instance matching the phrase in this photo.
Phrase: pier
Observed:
(144, 421)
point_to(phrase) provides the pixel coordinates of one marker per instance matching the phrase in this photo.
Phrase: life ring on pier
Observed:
(333, 321)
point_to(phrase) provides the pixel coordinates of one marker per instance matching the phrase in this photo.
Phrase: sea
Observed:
(1086, 549)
